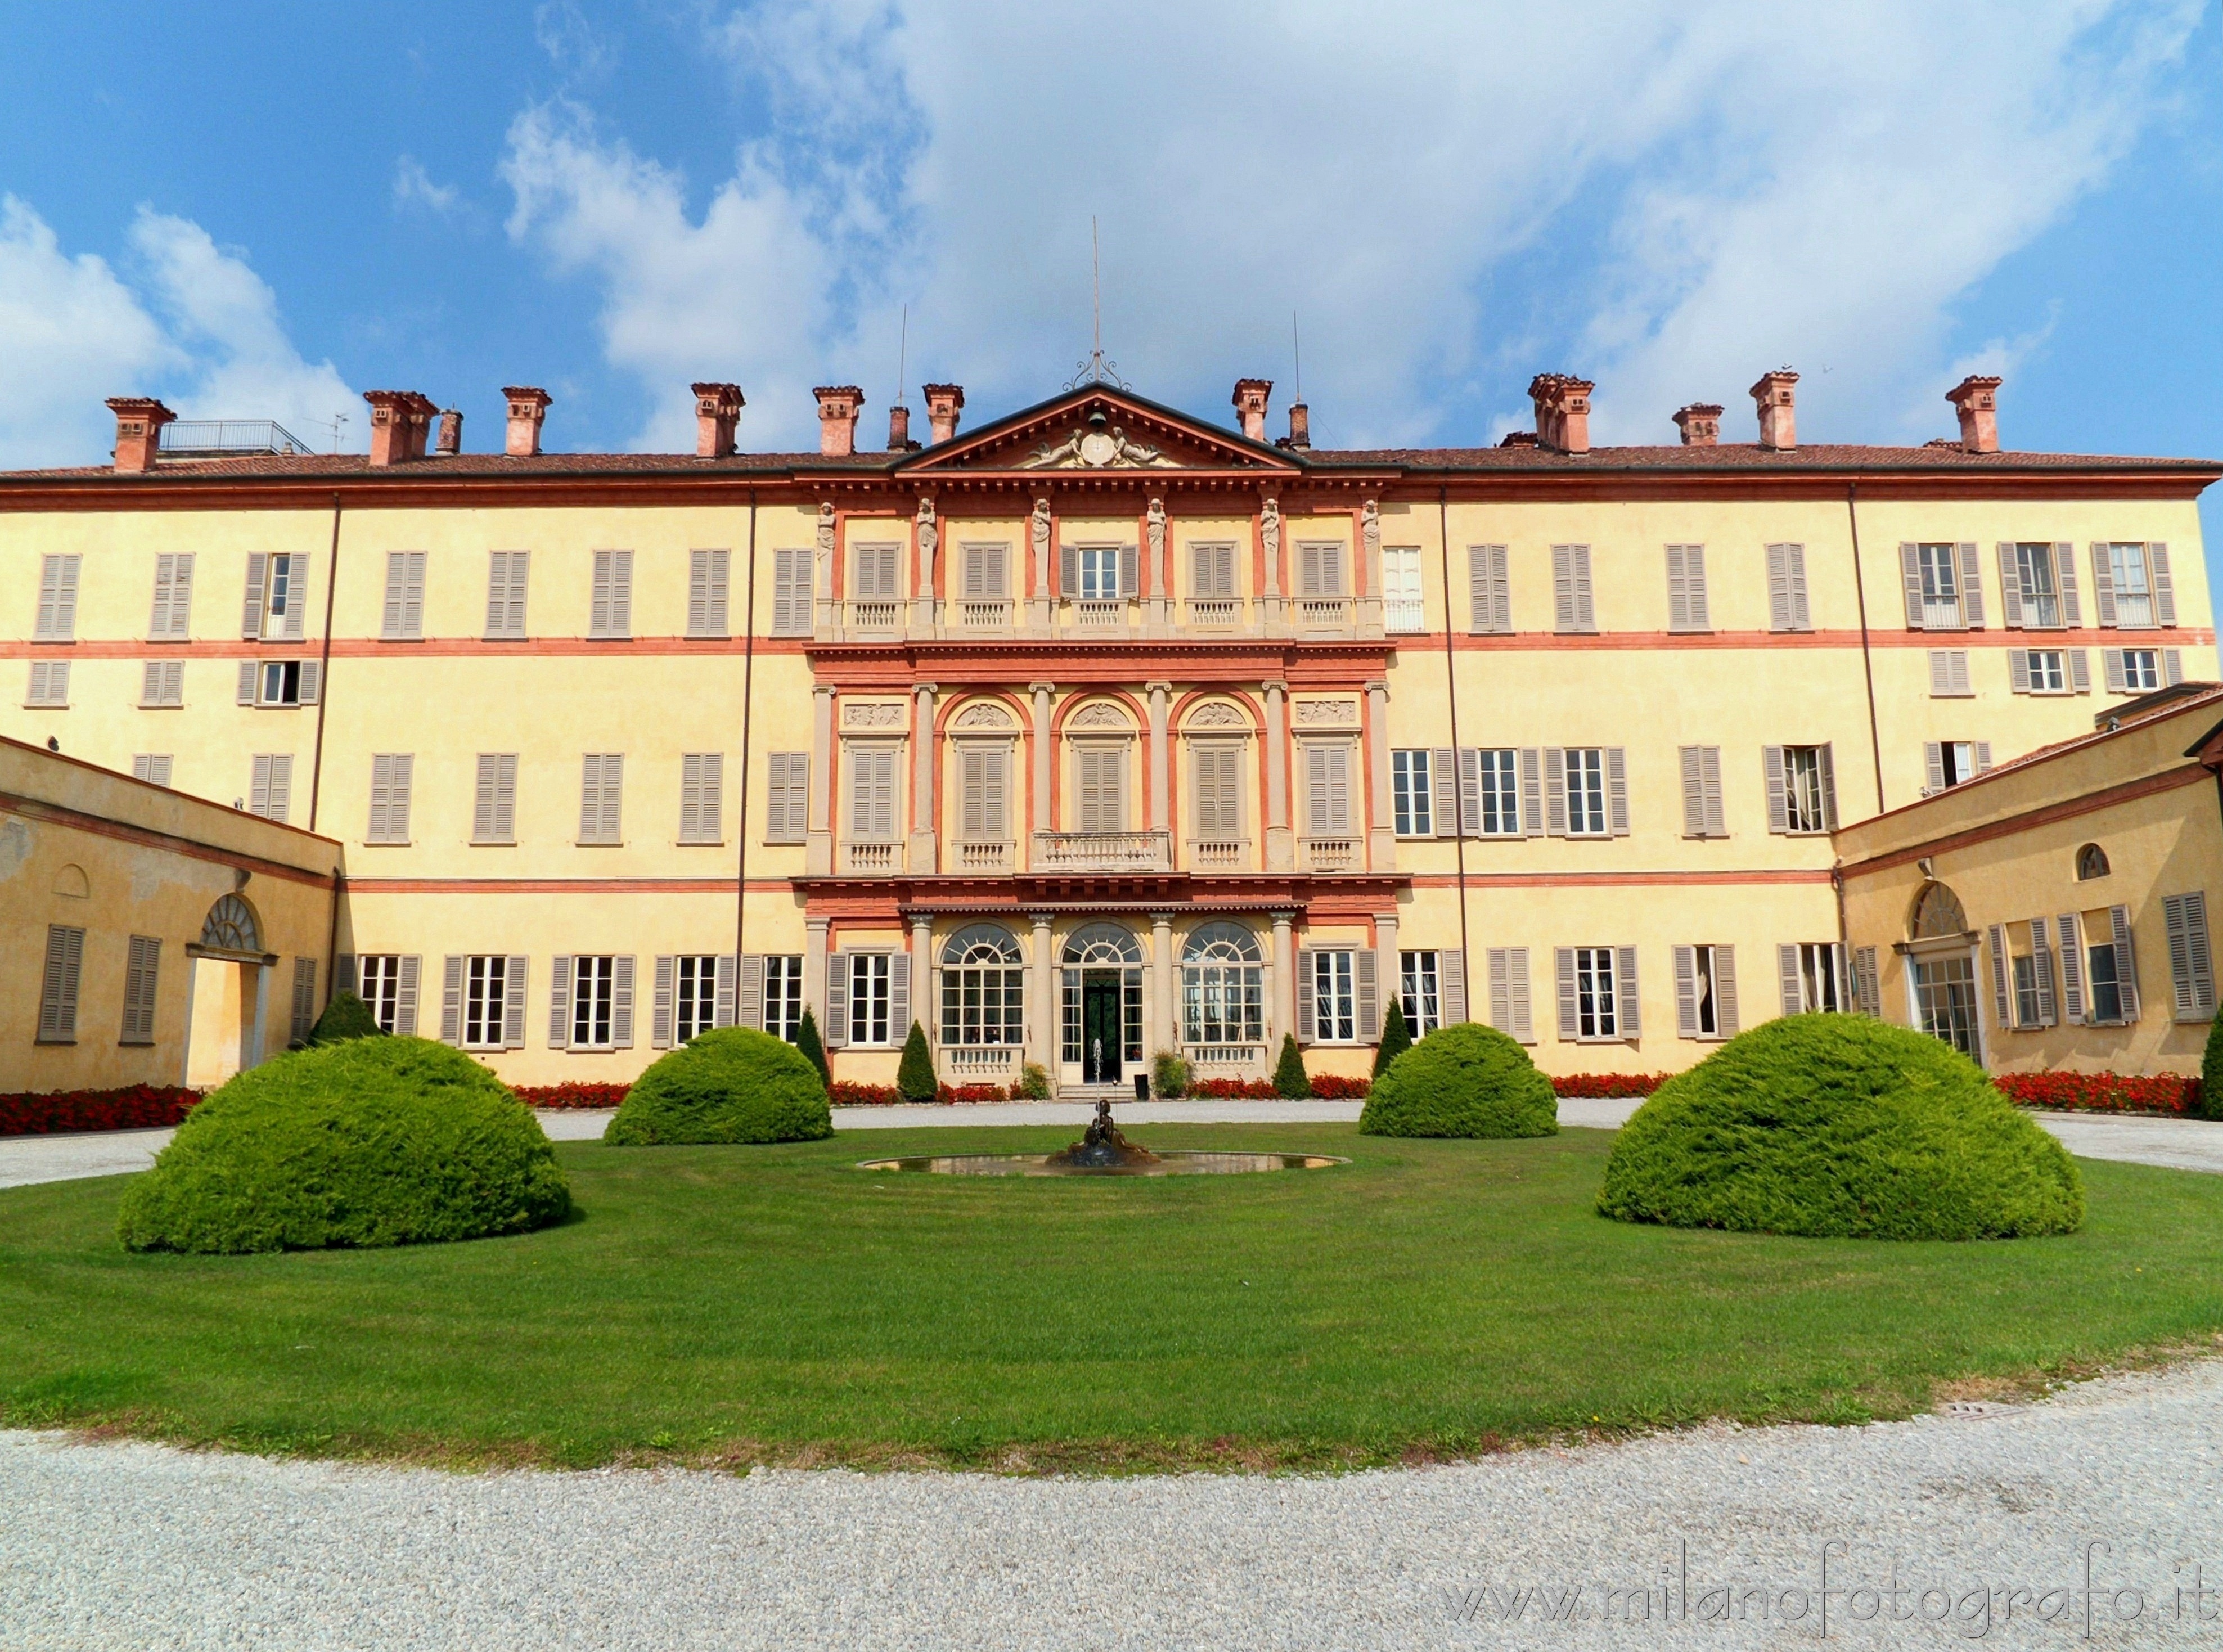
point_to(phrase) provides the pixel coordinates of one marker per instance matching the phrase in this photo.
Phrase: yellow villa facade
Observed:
(1099, 730)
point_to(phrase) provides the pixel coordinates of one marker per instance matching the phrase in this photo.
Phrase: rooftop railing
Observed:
(229, 439)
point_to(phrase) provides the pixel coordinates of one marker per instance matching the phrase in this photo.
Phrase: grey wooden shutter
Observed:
(1686, 992)
(1555, 790)
(1628, 1012)
(599, 604)
(1470, 791)
(391, 773)
(1909, 573)
(58, 995)
(1305, 1008)
(791, 592)
(1694, 792)
(1571, 1024)
(1068, 573)
(1725, 992)
(405, 997)
(2103, 584)
(2041, 953)
(1996, 937)
(2191, 964)
(1365, 967)
(1131, 570)
(559, 1003)
(1686, 588)
(141, 969)
(992, 576)
(404, 609)
(1867, 989)
(836, 1029)
(1481, 609)
(1500, 965)
(1616, 790)
(1532, 788)
(2126, 960)
(1710, 776)
(512, 1007)
(1983, 757)
(898, 997)
(1572, 607)
(1789, 981)
(660, 1004)
(249, 674)
(2117, 672)
(2172, 667)
(621, 1002)
(721, 1002)
(293, 625)
(1786, 588)
(2072, 969)
(311, 682)
(1779, 795)
(1826, 761)
(1508, 991)
(611, 611)
(1933, 758)
(751, 1009)
(1972, 588)
(258, 581)
(1794, 564)
(2019, 670)
(716, 567)
(304, 1018)
(1443, 777)
(452, 1000)
(2065, 584)
(1450, 987)
(2010, 585)
(173, 596)
(343, 974)
(2080, 670)
(2164, 589)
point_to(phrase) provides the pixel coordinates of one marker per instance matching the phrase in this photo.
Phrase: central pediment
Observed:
(1097, 428)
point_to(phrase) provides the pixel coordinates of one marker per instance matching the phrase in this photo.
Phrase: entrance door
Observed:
(1945, 994)
(1102, 1028)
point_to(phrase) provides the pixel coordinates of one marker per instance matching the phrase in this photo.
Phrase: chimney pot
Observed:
(1301, 426)
(944, 403)
(528, 407)
(717, 413)
(1700, 423)
(1250, 396)
(899, 430)
(1776, 401)
(1977, 400)
(451, 433)
(139, 421)
(1562, 411)
(838, 405)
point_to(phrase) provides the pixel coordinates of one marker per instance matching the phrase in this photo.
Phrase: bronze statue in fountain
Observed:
(1101, 1147)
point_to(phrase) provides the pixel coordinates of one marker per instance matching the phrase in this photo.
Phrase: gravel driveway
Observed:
(137, 1546)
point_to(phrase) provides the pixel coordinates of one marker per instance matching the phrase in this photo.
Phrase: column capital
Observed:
(1276, 685)
(1377, 685)
(823, 690)
(815, 921)
(1042, 920)
(1283, 920)
(922, 922)
(1161, 920)
(1041, 688)
(1159, 687)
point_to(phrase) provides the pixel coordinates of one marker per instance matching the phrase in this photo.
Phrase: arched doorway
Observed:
(227, 994)
(1940, 955)
(1100, 1022)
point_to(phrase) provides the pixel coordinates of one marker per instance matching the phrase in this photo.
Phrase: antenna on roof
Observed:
(1098, 369)
(902, 354)
(333, 425)
(1297, 355)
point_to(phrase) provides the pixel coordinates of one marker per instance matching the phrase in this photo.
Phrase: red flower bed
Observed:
(1231, 1089)
(1329, 1087)
(1600, 1085)
(847, 1093)
(135, 1106)
(972, 1092)
(2167, 1092)
(571, 1094)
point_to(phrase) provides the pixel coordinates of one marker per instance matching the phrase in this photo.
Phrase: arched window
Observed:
(2091, 862)
(1100, 961)
(1101, 944)
(1222, 988)
(231, 928)
(1937, 913)
(983, 988)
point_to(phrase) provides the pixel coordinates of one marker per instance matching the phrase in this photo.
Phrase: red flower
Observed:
(1593, 1086)
(572, 1093)
(2162, 1093)
(135, 1106)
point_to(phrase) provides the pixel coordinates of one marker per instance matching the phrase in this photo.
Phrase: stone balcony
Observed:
(1325, 619)
(1344, 853)
(1101, 851)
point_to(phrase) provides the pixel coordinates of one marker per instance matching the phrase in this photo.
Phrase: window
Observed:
(270, 787)
(2026, 990)
(2039, 590)
(1686, 588)
(791, 592)
(1102, 768)
(601, 787)
(507, 572)
(1403, 608)
(1942, 592)
(1703, 813)
(1334, 995)
(1218, 767)
(390, 776)
(277, 603)
(2091, 862)
(694, 995)
(1945, 1002)
(1319, 570)
(2106, 985)
(2111, 966)
(1494, 790)
(870, 978)
(56, 620)
(1591, 802)
(874, 573)
(162, 684)
(1508, 991)
(609, 612)
(487, 984)
(1489, 591)
(2191, 962)
(1786, 589)
(872, 794)
(389, 991)
(1598, 993)
(706, 592)
(1812, 975)
(304, 1021)
(403, 619)
(154, 767)
(1328, 791)
(787, 797)
(1412, 794)
(1949, 674)
(2048, 671)
(48, 688)
(58, 990)
(1211, 572)
(2140, 671)
(600, 1014)
(701, 796)
(1419, 992)
(1706, 992)
(141, 967)
(1801, 788)
(1222, 988)
(983, 775)
(984, 989)
(493, 810)
(1109, 948)
(2128, 578)
(1938, 913)
(1954, 762)
(1572, 608)
(1098, 573)
(783, 995)
(281, 682)
(171, 618)
(984, 567)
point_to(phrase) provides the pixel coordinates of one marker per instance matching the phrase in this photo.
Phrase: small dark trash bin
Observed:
(1141, 1086)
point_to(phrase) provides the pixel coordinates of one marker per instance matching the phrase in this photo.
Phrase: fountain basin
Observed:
(1163, 1163)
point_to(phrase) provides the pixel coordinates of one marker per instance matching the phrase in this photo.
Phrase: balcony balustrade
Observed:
(982, 616)
(1097, 617)
(1219, 855)
(1215, 614)
(1403, 613)
(979, 1064)
(869, 860)
(1102, 852)
(1224, 1060)
(1329, 854)
(979, 857)
(876, 617)
(1318, 613)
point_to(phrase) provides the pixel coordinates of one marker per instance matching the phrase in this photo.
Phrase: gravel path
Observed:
(112, 1546)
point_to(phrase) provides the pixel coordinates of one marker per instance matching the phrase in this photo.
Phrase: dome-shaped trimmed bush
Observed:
(1467, 1079)
(369, 1141)
(732, 1085)
(1841, 1126)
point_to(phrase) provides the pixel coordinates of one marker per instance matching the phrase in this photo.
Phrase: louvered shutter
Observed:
(707, 573)
(1480, 610)
(559, 1003)
(405, 997)
(1451, 988)
(2126, 960)
(512, 1007)
(311, 681)
(2072, 969)
(173, 596)
(258, 577)
(1909, 572)
(2190, 962)
(1572, 610)
(1933, 758)
(1794, 562)
(1500, 964)
(1470, 791)
(297, 598)
(898, 996)
(483, 805)
(1532, 789)
(1628, 1012)
(659, 1003)
(2010, 585)
(1786, 588)
(1443, 776)
(1972, 588)
(1725, 992)
(1304, 1009)
(1616, 790)
(2164, 589)
(2041, 953)
(1956, 665)
(141, 969)
(304, 1001)
(391, 621)
(2172, 667)
(751, 1008)
(1779, 795)
(1130, 571)
(1710, 776)
(1997, 937)
(598, 609)
(1694, 792)
(451, 1001)
(58, 989)
(590, 796)
(722, 1003)
(621, 1002)
(1316, 791)
(1686, 588)
(837, 1001)
(2019, 670)
(1826, 761)
(2117, 672)
(2079, 671)
(1983, 757)
(343, 974)
(1308, 570)
(1364, 971)
(1571, 1024)
(248, 671)
(1686, 992)
(790, 601)
(2103, 583)
(1789, 980)
(1867, 989)
(1068, 573)
(2065, 584)
(1555, 790)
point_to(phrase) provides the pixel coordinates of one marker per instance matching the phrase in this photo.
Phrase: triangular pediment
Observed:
(1097, 428)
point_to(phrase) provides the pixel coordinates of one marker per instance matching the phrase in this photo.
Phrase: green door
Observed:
(1101, 1028)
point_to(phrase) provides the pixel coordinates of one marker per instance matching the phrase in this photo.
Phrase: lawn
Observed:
(748, 1304)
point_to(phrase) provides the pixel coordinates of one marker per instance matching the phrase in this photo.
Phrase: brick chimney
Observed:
(717, 412)
(1301, 426)
(451, 433)
(944, 403)
(139, 421)
(528, 407)
(1777, 403)
(1977, 400)
(400, 422)
(1251, 405)
(838, 405)
(900, 439)
(1563, 412)
(1700, 423)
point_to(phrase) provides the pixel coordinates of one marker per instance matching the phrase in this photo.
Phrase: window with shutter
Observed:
(1489, 593)
(1412, 794)
(506, 575)
(1948, 673)
(701, 796)
(49, 688)
(787, 797)
(1327, 790)
(154, 767)
(984, 572)
(58, 990)
(981, 775)
(493, 812)
(873, 573)
(141, 968)
(304, 1018)
(403, 616)
(1786, 589)
(706, 592)
(600, 797)
(1508, 993)
(1217, 777)
(1319, 569)
(1686, 588)
(1702, 812)
(792, 593)
(172, 619)
(1706, 992)
(390, 774)
(1571, 607)
(871, 793)
(56, 618)
(271, 789)
(610, 608)
(1592, 795)
(1211, 572)
(2191, 963)
(1597, 998)
(1102, 768)
(163, 683)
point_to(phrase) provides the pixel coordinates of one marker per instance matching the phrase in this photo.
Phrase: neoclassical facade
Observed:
(1099, 730)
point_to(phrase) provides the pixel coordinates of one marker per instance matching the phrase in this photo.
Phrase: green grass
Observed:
(741, 1304)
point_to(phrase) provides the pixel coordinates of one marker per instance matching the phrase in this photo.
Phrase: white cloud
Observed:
(413, 186)
(1667, 200)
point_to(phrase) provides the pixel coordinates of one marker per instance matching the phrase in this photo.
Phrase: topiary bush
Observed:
(369, 1141)
(346, 1017)
(1465, 1080)
(2210, 1102)
(1841, 1126)
(1396, 1038)
(1290, 1078)
(811, 1047)
(732, 1085)
(914, 1072)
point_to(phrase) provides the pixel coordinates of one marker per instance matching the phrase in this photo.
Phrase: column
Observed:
(252, 1055)
(1285, 986)
(925, 1002)
(1044, 821)
(923, 750)
(818, 853)
(1161, 769)
(1043, 1018)
(1387, 971)
(1165, 1028)
(1280, 848)
(814, 970)
(1380, 819)
(186, 1041)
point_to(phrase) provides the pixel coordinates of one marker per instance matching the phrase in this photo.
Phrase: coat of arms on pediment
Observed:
(1095, 448)
(1099, 429)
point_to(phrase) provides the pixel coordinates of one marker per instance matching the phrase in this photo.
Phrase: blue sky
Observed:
(262, 211)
